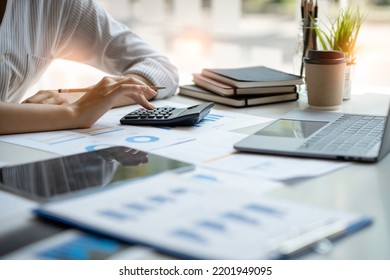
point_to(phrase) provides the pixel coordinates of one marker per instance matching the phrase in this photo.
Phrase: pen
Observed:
(67, 90)
(328, 231)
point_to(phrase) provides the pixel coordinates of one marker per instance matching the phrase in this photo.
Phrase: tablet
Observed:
(56, 178)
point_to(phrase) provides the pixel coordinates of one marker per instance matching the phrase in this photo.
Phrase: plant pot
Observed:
(349, 76)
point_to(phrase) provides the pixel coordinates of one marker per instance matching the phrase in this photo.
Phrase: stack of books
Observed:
(243, 87)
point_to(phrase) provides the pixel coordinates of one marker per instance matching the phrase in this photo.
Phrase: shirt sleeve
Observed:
(93, 37)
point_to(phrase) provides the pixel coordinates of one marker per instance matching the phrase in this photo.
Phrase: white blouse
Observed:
(35, 32)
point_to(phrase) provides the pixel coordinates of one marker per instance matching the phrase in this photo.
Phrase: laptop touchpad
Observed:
(291, 128)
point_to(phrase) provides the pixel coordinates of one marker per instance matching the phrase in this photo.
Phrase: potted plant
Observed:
(341, 35)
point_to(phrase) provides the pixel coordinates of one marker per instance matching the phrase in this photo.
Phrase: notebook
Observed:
(237, 101)
(325, 135)
(255, 76)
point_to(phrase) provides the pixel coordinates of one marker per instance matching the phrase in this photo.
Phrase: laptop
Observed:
(323, 135)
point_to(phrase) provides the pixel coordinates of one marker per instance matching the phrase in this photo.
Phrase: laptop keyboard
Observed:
(352, 134)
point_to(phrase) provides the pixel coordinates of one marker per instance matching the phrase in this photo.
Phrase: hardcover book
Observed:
(256, 76)
(237, 101)
(228, 90)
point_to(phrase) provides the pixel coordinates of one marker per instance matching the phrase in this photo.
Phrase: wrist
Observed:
(76, 117)
(139, 77)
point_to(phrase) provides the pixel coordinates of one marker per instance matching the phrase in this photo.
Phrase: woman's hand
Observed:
(106, 94)
(48, 97)
(55, 98)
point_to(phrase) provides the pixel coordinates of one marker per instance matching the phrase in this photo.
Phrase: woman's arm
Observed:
(93, 37)
(56, 98)
(27, 117)
(18, 118)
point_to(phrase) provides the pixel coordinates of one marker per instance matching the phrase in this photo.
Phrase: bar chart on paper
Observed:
(72, 136)
(199, 220)
(209, 118)
(215, 120)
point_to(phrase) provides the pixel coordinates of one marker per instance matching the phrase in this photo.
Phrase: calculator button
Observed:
(132, 116)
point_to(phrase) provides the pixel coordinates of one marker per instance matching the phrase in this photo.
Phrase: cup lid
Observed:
(325, 57)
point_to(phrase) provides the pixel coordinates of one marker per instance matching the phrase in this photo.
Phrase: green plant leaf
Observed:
(341, 34)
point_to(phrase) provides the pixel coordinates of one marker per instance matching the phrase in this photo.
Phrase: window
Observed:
(231, 33)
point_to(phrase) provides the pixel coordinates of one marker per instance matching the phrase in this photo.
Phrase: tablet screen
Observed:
(53, 178)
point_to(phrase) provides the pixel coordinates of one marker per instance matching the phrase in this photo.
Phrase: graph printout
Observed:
(203, 221)
(99, 136)
(109, 132)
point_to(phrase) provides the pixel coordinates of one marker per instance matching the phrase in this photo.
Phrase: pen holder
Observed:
(306, 40)
(349, 75)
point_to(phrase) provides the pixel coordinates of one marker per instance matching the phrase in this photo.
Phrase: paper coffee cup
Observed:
(325, 76)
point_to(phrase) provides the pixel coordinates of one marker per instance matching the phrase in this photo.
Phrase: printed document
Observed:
(197, 220)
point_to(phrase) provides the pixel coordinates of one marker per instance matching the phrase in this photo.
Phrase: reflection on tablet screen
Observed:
(48, 179)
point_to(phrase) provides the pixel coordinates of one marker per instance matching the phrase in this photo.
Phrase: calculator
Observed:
(168, 116)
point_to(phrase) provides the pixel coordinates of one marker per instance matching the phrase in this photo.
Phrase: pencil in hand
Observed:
(68, 90)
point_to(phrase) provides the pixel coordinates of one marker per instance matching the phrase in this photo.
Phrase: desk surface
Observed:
(361, 188)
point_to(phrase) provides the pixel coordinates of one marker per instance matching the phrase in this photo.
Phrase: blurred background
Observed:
(196, 34)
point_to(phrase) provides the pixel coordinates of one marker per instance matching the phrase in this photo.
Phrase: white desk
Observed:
(361, 188)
